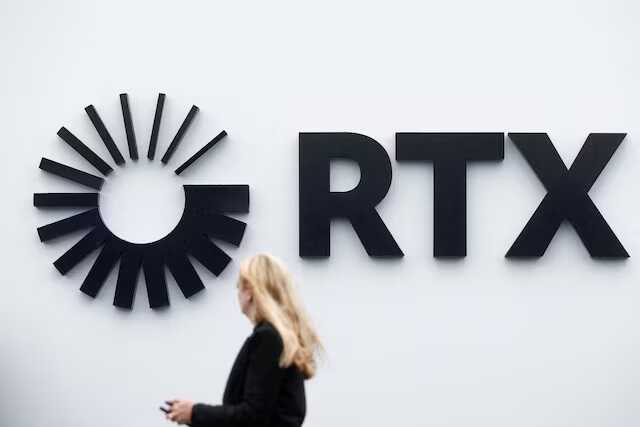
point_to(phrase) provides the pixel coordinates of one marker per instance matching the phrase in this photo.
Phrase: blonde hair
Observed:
(276, 301)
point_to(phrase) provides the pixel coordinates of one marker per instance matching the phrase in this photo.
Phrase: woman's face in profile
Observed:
(244, 297)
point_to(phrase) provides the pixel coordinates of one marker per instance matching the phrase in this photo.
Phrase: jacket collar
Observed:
(262, 322)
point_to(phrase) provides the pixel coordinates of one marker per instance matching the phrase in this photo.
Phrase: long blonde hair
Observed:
(276, 301)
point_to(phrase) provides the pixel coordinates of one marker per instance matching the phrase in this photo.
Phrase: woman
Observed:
(266, 383)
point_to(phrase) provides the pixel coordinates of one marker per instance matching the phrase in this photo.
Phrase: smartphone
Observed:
(165, 410)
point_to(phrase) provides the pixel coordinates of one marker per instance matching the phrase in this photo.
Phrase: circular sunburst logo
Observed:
(204, 217)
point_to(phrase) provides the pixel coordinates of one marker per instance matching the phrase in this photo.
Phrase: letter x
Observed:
(567, 196)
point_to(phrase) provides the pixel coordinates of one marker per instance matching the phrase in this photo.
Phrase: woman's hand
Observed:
(179, 411)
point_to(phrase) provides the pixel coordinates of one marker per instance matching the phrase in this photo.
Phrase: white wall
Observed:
(414, 342)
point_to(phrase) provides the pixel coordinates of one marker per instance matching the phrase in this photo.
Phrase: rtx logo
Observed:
(567, 195)
(207, 207)
(204, 217)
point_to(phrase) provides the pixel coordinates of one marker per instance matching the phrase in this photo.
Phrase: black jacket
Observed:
(258, 391)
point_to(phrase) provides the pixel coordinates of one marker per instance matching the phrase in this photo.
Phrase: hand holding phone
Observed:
(166, 410)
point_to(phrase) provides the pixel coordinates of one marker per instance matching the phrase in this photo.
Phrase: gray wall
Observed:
(413, 342)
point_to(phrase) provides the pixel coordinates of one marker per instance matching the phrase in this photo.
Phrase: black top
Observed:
(258, 391)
